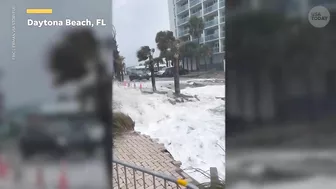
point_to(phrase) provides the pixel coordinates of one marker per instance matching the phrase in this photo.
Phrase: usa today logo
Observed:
(319, 16)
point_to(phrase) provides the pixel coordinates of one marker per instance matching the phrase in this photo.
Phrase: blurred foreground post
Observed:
(214, 180)
(76, 58)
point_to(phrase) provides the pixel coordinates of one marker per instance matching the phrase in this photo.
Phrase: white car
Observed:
(160, 73)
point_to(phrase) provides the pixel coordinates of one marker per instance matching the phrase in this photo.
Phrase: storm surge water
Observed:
(192, 131)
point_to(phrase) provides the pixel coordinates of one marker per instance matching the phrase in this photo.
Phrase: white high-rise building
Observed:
(213, 14)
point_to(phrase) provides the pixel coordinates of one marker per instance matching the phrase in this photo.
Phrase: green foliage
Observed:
(68, 60)
(143, 53)
(196, 26)
(189, 49)
(122, 122)
(164, 40)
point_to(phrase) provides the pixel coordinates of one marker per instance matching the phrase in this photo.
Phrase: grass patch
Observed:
(122, 123)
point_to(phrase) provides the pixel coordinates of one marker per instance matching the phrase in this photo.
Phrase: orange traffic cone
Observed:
(40, 183)
(3, 168)
(140, 86)
(125, 83)
(63, 180)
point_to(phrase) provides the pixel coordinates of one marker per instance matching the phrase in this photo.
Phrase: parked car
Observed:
(169, 72)
(139, 75)
(59, 137)
(183, 71)
(160, 73)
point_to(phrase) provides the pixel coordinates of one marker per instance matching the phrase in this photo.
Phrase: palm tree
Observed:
(170, 49)
(205, 52)
(196, 27)
(75, 58)
(190, 52)
(120, 66)
(146, 53)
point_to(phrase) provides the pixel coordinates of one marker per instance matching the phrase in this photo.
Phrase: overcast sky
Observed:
(136, 23)
(26, 78)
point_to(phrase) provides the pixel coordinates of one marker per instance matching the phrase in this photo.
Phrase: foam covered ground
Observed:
(193, 132)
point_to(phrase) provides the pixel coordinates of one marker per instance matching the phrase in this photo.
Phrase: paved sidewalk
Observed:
(134, 148)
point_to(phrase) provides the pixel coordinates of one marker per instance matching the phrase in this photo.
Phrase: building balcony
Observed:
(183, 32)
(210, 9)
(182, 20)
(222, 19)
(194, 2)
(197, 14)
(210, 23)
(201, 40)
(182, 8)
(221, 4)
(222, 34)
(215, 50)
(211, 37)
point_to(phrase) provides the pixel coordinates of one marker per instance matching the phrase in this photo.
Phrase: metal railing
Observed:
(197, 14)
(210, 23)
(210, 9)
(194, 2)
(183, 20)
(222, 19)
(131, 176)
(221, 4)
(211, 37)
(182, 8)
(183, 32)
(201, 40)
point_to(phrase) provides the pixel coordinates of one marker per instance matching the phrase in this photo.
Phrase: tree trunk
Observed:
(255, 77)
(177, 78)
(152, 75)
(103, 105)
(191, 64)
(187, 63)
(198, 56)
(183, 61)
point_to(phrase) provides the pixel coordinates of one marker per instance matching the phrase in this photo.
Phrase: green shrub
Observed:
(122, 122)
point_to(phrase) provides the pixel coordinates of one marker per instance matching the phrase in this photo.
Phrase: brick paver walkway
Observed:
(136, 149)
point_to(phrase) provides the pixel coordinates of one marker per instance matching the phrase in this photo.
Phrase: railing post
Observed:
(214, 179)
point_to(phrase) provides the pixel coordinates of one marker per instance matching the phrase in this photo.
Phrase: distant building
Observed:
(213, 14)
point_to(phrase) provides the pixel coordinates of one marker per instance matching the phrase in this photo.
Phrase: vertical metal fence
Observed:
(130, 176)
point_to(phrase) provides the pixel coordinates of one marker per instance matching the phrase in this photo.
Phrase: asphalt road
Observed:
(184, 82)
